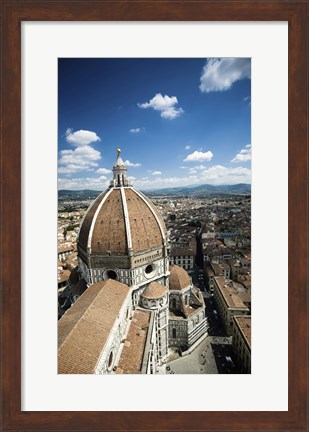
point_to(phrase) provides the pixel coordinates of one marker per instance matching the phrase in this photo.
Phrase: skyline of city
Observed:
(196, 317)
(197, 112)
(193, 318)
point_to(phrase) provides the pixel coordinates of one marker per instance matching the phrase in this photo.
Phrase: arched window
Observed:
(111, 274)
(118, 176)
(110, 360)
(174, 333)
(173, 303)
(123, 179)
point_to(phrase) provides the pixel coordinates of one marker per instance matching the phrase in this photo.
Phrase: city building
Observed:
(183, 245)
(64, 251)
(124, 321)
(63, 277)
(240, 267)
(228, 302)
(212, 269)
(242, 342)
(182, 257)
(187, 321)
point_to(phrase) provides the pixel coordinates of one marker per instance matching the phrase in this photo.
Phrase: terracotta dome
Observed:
(179, 278)
(154, 290)
(121, 220)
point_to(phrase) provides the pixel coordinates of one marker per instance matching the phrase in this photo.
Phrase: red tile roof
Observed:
(84, 328)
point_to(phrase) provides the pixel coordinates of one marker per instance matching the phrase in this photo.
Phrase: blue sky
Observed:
(178, 122)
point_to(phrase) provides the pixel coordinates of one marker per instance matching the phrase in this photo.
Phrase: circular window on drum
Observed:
(150, 271)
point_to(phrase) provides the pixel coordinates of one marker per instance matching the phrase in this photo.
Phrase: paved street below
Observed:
(214, 355)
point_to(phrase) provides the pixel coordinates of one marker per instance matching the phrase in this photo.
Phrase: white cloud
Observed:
(244, 155)
(158, 182)
(132, 164)
(156, 173)
(81, 137)
(83, 183)
(199, 156)
(219, 174)
(80, 159)
(103, 171)
(187, 147)
(216, 175)
(220, 74)
(164, 104)
(196, 167)
(135, 131)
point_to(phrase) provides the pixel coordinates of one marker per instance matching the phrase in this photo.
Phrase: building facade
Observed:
(187, 320)
(242, 342)
(228, 302)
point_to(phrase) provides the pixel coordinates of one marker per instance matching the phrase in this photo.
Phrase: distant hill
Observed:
(78, 194)
(206, 189)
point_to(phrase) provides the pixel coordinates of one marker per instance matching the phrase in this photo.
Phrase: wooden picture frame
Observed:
(13, 13)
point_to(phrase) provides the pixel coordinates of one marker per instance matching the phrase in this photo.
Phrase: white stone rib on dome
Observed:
(126, 218)
(95, 218)
(90, 207)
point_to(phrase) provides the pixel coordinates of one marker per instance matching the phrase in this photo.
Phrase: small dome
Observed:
(179, 278)
(154, 290)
